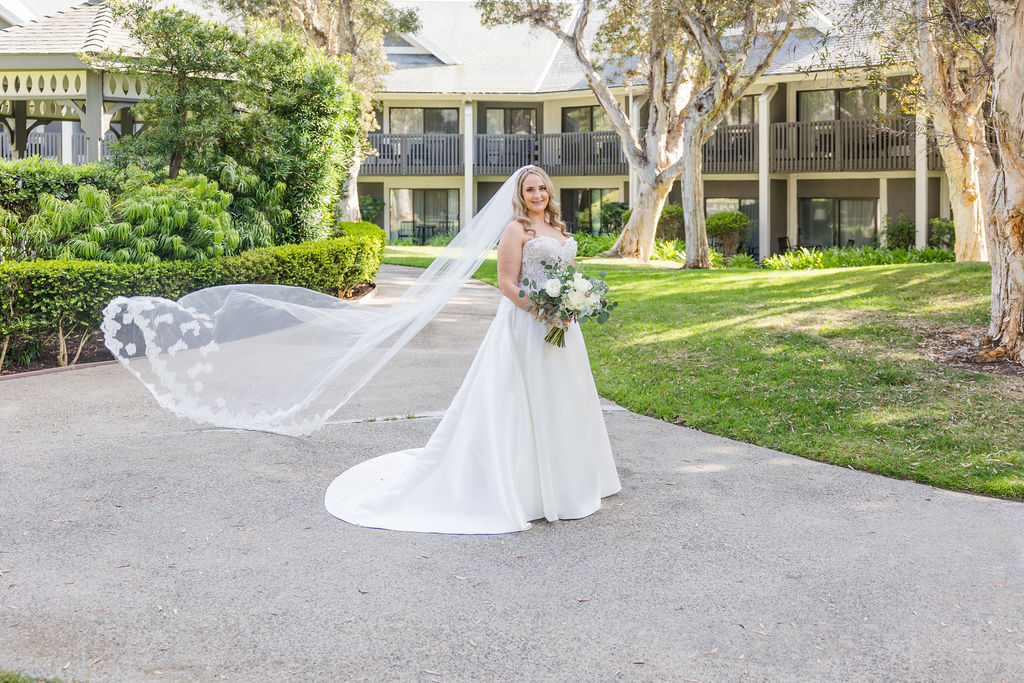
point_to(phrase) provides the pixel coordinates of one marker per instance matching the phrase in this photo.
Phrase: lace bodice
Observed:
(547, 249)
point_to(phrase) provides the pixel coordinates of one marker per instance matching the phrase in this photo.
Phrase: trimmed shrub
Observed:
(64, 300)
(728, 227)
(613, 216)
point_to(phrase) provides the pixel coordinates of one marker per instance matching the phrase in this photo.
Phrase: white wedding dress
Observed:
(523, 439)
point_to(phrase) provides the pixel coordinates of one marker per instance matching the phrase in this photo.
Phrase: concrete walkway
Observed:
(135, 546)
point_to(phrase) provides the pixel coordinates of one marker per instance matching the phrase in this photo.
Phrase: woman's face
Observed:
(535, 193)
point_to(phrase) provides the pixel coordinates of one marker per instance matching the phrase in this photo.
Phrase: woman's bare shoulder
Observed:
(514, 231)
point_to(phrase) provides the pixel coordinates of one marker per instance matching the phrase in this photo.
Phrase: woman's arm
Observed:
(510, 260)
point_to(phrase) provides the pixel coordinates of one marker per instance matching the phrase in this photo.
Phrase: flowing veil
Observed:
(284, 359)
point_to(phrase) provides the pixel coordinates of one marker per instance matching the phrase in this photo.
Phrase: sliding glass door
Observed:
(827, 223)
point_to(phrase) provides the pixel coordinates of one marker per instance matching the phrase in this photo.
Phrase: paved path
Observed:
(135, 546)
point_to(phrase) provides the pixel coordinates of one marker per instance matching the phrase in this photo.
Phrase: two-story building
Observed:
(802, 154)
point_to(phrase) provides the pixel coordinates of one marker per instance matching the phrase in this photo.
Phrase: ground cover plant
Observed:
(832, 365)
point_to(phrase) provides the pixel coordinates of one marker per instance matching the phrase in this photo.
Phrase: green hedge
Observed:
(57, 301)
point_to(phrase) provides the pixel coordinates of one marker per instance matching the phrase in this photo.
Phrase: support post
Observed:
(67, 132)
(791, 210)
(921, 181)
(468, 139)
(20, 128)
(764, 228)
(883, 209)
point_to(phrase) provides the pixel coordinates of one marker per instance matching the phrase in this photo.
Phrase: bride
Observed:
(524, 437)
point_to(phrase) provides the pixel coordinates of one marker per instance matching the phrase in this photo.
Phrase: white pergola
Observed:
(45, 77)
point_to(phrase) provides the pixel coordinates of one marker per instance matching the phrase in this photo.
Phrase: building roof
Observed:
(518, 60)
(88, 27)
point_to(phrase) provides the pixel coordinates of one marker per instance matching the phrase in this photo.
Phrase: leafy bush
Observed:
(671, 225)
(804, 258)
(64, 300)
(900, 233)
(300, 117)
(182, 219)
(370, 207)
(742, 260)
(668, 250)
(941, 233)
(441, 240)
(612, 216)
(591, 245)
(23, 181)
(726, 223)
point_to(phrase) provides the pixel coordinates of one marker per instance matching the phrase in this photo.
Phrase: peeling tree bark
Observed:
(960, 131)
(698, 255)
(1006, 248)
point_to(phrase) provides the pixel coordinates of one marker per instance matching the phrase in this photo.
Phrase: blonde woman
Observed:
(524, 438)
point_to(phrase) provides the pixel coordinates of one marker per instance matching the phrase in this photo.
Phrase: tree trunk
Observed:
(691, 185)
(1006, 246)
(637, 238)
(350, 189)
(175, 165)
(959, 145)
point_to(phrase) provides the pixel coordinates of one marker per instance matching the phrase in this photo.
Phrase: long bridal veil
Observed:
(284, 359)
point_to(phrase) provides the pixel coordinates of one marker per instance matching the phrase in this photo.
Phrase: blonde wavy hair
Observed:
(552, 213)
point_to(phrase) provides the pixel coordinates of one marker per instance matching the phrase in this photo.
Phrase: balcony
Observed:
(731, 149)
(846, 145)
(598, 153)
(414, 154)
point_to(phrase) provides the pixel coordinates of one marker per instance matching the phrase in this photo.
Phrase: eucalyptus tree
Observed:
(1006, 198)
(694, 58)
(355, 28)
(947, 47)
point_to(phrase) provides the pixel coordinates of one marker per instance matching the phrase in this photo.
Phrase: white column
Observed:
(764, 228)
(93, 122)
(468, 139)
(945, 210)
(921, 181)
(67, 132)
(883, 208)
(791, 210)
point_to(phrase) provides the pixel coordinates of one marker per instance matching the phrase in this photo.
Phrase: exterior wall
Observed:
(738, 189)
(901, 197)
(375, 190)
(845, 188)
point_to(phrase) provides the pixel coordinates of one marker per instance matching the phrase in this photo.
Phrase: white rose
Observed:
(553, 287)
(577, 300)
(581, 283)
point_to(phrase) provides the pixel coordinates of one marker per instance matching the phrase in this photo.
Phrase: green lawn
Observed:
(822, 364)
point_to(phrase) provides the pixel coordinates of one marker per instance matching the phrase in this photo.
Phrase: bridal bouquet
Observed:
(568, 293)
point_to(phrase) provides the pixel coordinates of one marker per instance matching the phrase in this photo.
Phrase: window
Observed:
(438, 208)
(837, 222)
(828, 105)
(743, 112)
(424, 120)
(511, 121)
(585, 119)
(581, 209)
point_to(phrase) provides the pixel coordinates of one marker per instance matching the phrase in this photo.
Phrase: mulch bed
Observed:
(964, 349)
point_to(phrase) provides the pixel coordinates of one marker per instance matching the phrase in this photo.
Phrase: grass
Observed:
(12, 677)
(824, 364)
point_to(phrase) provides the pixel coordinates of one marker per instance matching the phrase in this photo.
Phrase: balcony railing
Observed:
(597, 153)
(845, 145)
(503, 154)
(806, 146)
(731, 149)
(414, 154)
